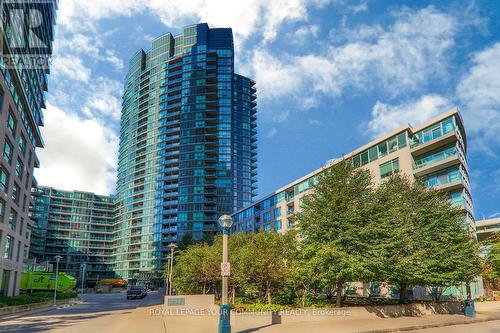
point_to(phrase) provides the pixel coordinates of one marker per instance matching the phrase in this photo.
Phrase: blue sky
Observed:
(331, 75)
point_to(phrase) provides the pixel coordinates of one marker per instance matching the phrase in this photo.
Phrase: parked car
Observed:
(136, 292)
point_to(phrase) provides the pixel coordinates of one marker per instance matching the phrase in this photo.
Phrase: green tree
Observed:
(304, 272)
(197, 269)
(264, 262)
(492, 257)
(419, 238)
(491, 269)
(335, 218)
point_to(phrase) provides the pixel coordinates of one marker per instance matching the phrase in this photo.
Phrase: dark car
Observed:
(136, 292)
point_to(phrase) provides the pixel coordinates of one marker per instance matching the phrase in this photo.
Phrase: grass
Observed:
(37, 297)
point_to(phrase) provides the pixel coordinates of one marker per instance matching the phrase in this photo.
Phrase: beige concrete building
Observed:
(434, 152)
(486, 228)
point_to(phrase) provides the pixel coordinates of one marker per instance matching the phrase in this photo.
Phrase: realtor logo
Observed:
(28, 31)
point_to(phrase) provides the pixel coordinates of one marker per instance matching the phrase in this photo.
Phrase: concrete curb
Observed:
(421, 327)
(69, 303)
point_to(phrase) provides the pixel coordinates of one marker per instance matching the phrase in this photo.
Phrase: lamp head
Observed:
(172, 246)
(225, 222)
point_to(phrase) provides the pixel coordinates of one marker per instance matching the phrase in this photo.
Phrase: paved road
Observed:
(484, 327)
(70, 318)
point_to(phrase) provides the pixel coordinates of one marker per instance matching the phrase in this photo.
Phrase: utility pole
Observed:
(32, 274)
(84, 267)
(57, 275)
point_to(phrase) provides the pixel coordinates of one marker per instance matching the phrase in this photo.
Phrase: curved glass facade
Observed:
(187, 145)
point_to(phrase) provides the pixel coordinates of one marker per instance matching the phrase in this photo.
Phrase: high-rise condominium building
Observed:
(187, 145)
(76, 225)
(23, 82)
(434, 152)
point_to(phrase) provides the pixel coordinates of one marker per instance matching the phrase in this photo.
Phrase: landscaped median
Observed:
(28, 302)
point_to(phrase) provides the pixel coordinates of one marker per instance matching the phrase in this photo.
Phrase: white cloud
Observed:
(314, 122)
(479, 95)
(306, 32)
(103, 98)
(79, 154)
(71, 68)
(272, 133)
(246, 17)
(401, 58)
(386, 117)
(273, 77)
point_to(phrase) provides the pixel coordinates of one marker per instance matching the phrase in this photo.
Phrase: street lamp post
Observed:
(172, 247)
(57, 258)
(167, 274)
(225, 222)
(84, 267)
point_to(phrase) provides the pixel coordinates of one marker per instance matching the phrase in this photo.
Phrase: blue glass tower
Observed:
(187, 146)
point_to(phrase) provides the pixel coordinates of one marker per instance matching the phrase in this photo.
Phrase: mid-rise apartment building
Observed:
(78, 226)
(23, 83)
(486, 228)
(434, 152)
(187, 145)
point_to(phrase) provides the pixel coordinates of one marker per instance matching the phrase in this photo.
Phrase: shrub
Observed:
(37, 297)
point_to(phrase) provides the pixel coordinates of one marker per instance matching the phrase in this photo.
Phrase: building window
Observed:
(4, 285)
(277, 225)
(267, 216)
(7, 151)
(389, 168)
(22, 144)
(8, 247)
(4, 180)
(16, 193)
(12, 219)
(12, 123)
(18, 255)
(19, 168)
(1, 100)
(277, 212)
(2, 213)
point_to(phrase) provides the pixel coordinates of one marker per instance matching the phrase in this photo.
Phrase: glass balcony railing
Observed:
(434, 158)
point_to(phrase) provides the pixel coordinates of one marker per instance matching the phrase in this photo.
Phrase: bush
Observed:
(60, 295)
(37, 297)
(21, 300)
(257, 307)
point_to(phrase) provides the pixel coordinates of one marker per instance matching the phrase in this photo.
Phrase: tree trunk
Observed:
(304, 296)
(268, 295)
(233, 294)
(402, 292)
(338, 301)
(468, 290)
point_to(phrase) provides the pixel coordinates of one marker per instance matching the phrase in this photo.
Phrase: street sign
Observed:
(225, 269)
(53, 278)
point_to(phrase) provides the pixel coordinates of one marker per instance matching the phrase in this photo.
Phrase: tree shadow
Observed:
(414, 309)
(254, 329)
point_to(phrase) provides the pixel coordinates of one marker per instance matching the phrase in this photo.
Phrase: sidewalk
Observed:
(313, 324)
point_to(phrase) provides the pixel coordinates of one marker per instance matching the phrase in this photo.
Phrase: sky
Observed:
(331, 76)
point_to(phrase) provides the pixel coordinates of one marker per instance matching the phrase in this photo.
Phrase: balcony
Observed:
(443, 162)
(422, 148)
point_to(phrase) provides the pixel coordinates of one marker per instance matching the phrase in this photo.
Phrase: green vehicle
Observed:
(46, 281)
